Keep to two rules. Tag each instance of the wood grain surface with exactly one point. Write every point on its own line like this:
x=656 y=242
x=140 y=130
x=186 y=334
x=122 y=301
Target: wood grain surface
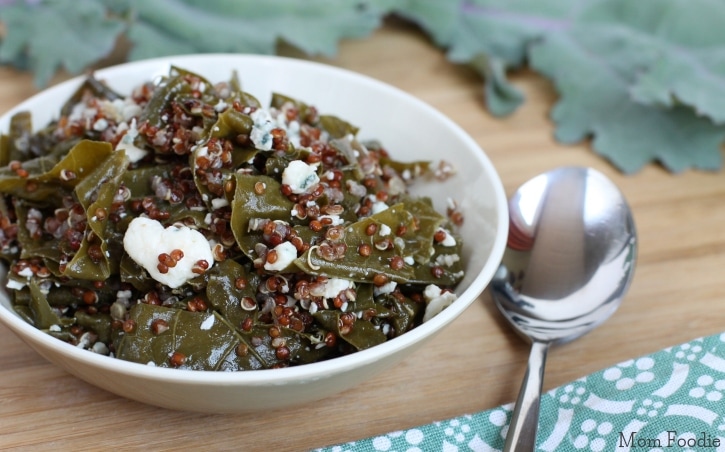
x=474 y=364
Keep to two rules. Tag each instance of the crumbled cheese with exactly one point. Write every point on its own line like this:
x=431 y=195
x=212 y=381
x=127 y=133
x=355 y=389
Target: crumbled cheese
x=100 y=125
x=84 y=341
x=207 y=323
x=131 y=111
x=300 y=176
x=267 y=119
x=436 y=301
x=377 y=206
x=384 y=230
x=447 y=259
x=120 y=110
x=409 y=260
x=335 y=219
x=293 y=133
x=100 y=348
x=218 y=203
x=161 y=137
x=449 y=240
x=202 y=151
x=386 y=288
x=286 y=253
x=54 y=328
x=263 y=125
x=126 y=143
x=81 y=111
x=44 y=287
x=15 y=284
x=220 y=106
x=27 y=272
x=145 y=239
x=334 y=286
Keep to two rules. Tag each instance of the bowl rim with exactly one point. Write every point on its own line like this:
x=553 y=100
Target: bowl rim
x=312 y=371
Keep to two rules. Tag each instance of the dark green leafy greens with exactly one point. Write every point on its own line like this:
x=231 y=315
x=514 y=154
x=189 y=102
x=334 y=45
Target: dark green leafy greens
x=316 y=248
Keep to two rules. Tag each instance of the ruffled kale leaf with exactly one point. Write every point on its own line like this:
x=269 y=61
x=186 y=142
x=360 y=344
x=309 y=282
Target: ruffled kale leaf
x=492 y=35
x=644 y=80
x=82 y=33
x=167 y=27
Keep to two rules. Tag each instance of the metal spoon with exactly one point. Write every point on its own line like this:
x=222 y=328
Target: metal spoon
x=569 y=260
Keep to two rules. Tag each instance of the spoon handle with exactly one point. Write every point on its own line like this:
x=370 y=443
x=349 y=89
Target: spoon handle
x=525 y=420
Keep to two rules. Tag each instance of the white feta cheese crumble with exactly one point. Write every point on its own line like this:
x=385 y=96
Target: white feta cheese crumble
x=385 y=230
x=300 y=176
x=286 y=253
x=378 y=206
x=447 y=259
x=14 y=284
x=220 y=106
x=100 y=348
x=202 y=151
x=27 y=272
x=84 y=341
x=436 y=301
x=54 y=328
x=218 y=203
x=120 y=109
x=145 y=239
x=207 y=323
x=81 y=112
x=334 y=286
x=336 y=220
x=126 y=143
x=100 y=125
x=449 y=240
x=386 y=288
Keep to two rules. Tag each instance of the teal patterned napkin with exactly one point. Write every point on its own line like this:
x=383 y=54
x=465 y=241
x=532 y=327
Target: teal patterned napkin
x=672 y=400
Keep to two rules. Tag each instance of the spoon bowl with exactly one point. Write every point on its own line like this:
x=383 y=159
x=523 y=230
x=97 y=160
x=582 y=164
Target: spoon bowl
x=569 y=261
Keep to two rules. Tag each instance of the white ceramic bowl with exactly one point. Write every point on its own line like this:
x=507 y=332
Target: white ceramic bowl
x=410 y=130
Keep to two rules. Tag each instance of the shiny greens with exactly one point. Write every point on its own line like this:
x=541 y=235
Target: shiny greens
x=301 y=273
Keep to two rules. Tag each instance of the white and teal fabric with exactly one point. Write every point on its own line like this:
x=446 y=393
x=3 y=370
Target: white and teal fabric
x=672 y=400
